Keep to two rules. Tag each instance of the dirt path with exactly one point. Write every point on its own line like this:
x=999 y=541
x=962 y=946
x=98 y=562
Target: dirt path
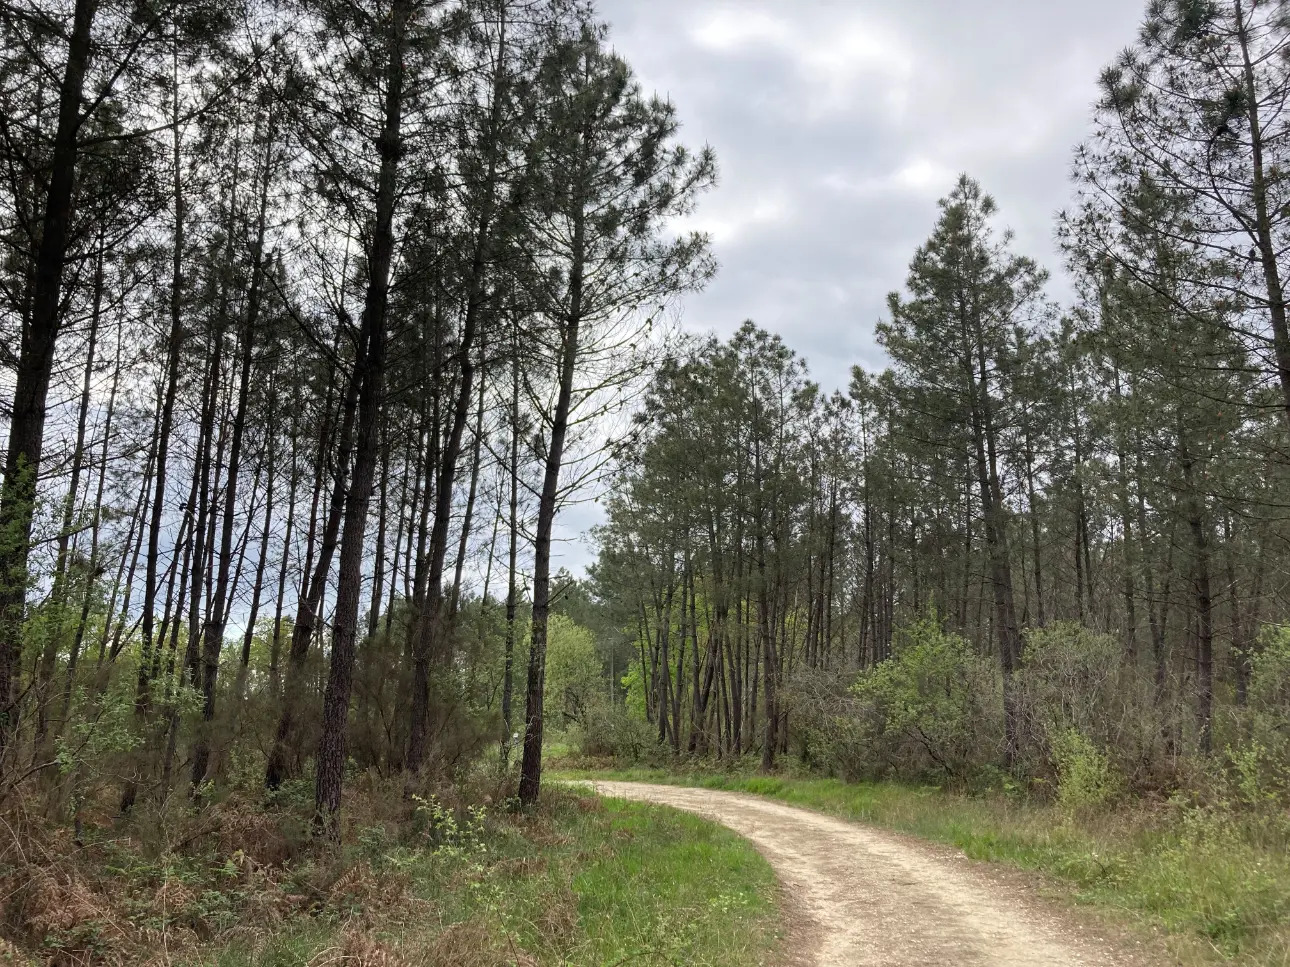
x=874 y=898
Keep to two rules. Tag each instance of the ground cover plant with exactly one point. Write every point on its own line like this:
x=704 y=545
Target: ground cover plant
x=432 y=880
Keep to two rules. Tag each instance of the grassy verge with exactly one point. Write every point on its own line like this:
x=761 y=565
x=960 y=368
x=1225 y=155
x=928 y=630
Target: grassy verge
x=1217 y=885
x=577 y=882
x=618 y=884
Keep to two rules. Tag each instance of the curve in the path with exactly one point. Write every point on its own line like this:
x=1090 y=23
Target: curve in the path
x=872 y=898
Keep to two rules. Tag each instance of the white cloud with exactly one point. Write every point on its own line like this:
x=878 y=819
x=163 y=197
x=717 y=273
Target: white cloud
x=730 y=30
x=919 y=177
x=729 y=222
x=836 y=60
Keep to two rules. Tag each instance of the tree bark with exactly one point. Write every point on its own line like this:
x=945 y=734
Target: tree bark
x=331 y=746
x=35 y=368
x=531 y=767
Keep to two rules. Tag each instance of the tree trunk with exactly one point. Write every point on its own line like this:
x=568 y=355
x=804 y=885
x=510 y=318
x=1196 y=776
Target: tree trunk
x=430 y=637
x=1196 y=521
x=512 y=588
x=58 y=595
x=1268 y=249
x=35 y=368
x=1005 y=614
x=531 y=767
x=331 y=747
x=284 y=754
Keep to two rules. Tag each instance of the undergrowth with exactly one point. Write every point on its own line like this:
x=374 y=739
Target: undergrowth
x=458 y=877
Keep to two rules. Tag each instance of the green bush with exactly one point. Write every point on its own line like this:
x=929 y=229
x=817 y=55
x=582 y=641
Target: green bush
x=1086 y=779
x=932 y=710
x=1074 y=680
x=573 y=679
x=828 y=729
x=1260 y=757
x=612 y=731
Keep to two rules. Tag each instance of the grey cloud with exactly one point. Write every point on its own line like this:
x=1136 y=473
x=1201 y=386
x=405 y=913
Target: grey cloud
x=839 y=123
x=831 y=167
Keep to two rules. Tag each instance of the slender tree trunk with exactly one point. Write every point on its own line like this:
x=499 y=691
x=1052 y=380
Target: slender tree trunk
x=35 y=368
x=1268 y=246
x=1037 y=564
x=284 y=754
x=165 y=428
x=454 y=600
x=257 y=587
x=1005 y=615
x=94 y=566
x=1202 y=586
x=58 y=594
x=217 y=613
x=331 y=747
x=430 y=642
x=531 y=767
x=512 y=588
x=382 y=521
x=275 y=642
x=114 y=624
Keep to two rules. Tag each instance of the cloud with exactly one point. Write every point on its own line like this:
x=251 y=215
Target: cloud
x=839 y=123
x=737 y=221
x=833 y=61
x=916 y=176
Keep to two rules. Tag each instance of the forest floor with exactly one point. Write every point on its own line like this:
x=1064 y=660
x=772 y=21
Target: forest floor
x=1198 y=885
x=578 y=881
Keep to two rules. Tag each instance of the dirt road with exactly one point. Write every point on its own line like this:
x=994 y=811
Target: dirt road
x=860 y=896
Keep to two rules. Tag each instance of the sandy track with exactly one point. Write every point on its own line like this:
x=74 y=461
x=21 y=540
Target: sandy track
x=867 y=897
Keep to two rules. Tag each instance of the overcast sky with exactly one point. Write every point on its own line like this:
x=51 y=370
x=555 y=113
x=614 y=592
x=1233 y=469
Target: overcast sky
x=839 y=123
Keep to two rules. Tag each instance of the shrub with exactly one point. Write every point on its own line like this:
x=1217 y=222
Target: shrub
x=1074 y=680
x=1086 y=779
x=933 y=709
x=573 y=679
x=826 y=717
x=1260 y=758
x=616 y=732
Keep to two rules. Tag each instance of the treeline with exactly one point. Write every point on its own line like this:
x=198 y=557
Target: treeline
x=1041 y=480
x=309 y=312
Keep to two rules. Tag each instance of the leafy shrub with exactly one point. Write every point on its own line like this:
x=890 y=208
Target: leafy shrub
x=1270 y=675
x=616 y=732
x=931 y=710
x=1086 y=779
x=573 y=679
x=1260 y=757
x=827 y=723
x=446 y=833
x=633 y=683
x=1074 y=680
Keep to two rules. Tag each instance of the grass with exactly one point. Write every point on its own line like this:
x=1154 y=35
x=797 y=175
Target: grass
x=459 y=878
x=1214 y=882
x=580 y=883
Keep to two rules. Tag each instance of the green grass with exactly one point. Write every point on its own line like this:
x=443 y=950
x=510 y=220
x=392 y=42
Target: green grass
x=580 y=883
x=1215 y=883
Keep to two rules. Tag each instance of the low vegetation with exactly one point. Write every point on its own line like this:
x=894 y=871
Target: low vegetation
x=1098 y=795
x=431 y=880
x=1215 y=881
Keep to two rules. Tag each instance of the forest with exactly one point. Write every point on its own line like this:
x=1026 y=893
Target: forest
x=295 y=300
x=1069 y=515
x=316 y=314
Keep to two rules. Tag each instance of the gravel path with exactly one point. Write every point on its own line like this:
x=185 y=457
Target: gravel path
x=860 y=896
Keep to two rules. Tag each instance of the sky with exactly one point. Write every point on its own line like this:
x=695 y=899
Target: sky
x=838 y=124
